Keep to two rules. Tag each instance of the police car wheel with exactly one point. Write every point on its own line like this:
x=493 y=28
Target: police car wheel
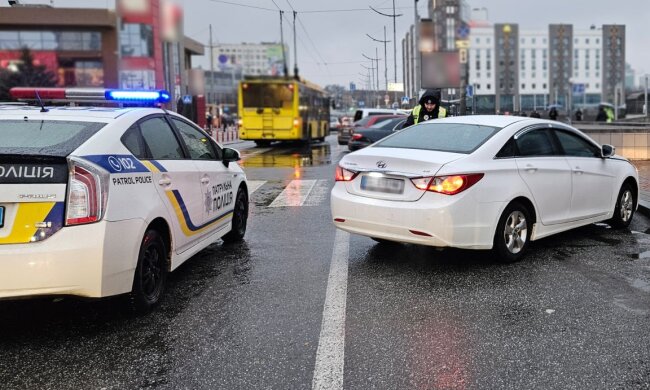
x=239 y=217
x=150 y=273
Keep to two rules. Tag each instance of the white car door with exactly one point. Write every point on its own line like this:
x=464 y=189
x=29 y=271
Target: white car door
x=591 y=178
x=217 y=184
x=176 y=179
x=546 y=173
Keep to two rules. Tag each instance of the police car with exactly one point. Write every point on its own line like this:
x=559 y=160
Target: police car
x=99 y=201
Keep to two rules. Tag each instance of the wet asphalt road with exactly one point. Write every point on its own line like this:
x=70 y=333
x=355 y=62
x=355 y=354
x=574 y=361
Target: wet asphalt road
x=575 y=314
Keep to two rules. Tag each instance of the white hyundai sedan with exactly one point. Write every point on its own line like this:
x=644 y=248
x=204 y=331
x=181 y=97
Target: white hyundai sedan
x=482 y=182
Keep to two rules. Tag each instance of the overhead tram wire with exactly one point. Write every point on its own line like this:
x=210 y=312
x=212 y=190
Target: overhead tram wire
x=243 y=5
x=308 y=36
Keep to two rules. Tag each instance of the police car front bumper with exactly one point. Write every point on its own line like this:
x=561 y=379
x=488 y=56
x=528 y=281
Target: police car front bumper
x=93 y=260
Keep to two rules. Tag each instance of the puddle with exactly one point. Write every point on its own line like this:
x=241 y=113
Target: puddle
x=291 y=156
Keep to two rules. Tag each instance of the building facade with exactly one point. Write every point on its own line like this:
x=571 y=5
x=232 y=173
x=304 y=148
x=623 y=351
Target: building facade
x=130 y=47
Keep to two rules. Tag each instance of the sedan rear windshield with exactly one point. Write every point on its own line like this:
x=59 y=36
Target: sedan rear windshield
x=444 y=137
x=44 y=137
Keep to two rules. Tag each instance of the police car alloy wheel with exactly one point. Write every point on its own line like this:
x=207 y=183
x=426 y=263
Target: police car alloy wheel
x=150 y=274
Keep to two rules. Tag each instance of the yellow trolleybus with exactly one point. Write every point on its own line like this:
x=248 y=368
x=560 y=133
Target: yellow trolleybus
x=282 y=109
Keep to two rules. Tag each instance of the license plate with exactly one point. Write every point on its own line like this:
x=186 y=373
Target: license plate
x=382 y=184
x=2 y=216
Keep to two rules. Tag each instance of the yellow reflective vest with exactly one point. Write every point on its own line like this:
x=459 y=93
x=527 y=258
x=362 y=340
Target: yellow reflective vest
x=442 y=113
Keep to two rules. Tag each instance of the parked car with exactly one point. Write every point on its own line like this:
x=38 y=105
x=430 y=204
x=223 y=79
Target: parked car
x=101 y=201
x=363 y=137
x=364 y=112
x=482 y=182
x=345 y=132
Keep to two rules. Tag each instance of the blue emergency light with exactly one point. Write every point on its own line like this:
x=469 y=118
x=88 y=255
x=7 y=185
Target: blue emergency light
x=161 y=96
x=91 y=95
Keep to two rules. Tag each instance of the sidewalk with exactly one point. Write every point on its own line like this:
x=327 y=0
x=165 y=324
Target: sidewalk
x=644 y=185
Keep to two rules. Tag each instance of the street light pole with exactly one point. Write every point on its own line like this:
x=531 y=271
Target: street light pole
x=647 y=109
x=385 y=54
x=394 y=16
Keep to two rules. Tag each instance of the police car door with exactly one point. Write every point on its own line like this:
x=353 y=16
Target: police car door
x=217 y=182
x=176 y=179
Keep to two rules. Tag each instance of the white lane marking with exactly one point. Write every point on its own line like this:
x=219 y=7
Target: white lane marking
x=328 y=371
x=294 y=194
x=319 y=194
x=254 y=185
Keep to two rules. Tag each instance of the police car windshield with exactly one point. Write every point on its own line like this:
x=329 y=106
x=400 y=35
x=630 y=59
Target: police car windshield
x=44 y=138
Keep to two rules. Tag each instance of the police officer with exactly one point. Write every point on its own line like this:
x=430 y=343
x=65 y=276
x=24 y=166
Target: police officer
x=429 y=108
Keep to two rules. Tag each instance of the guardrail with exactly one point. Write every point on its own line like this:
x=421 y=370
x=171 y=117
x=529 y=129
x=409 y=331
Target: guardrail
x=229 y=135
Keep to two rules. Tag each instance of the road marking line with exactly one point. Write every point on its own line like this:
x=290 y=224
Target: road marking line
x=294 y=194
x=319 y=194
x=328 y=370
x=254 y=185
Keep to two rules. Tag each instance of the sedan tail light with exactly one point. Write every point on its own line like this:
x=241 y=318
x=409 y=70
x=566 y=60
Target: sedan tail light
x=87 y=193
x=343 y=174
x=448 y=185
x=356 y=136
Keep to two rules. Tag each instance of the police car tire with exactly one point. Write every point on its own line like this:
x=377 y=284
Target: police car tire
x=150 y=273
x=239 y=217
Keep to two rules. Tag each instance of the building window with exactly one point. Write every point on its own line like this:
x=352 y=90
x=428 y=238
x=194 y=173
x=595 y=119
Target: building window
x=597 y=85
x=544 y=85
x=136 y=40
x=51 y=40
x=587 y=40
x=489 y=86
x=533 y=86
x=523 y=86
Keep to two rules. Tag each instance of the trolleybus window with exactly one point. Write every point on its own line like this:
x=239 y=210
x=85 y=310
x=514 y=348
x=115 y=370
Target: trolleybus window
x=268 y=95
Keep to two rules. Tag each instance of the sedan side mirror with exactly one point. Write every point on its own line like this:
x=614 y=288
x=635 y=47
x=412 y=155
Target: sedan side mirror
x=230 y=155
x=607 y=151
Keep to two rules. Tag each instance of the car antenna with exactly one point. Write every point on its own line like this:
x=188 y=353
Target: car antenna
x=43 y=109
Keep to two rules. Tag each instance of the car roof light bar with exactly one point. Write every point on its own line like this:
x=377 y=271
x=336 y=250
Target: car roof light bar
x=98 y=95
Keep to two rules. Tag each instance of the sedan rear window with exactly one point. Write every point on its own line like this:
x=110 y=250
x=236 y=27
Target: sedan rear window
x=444 y=137
x=44 y=138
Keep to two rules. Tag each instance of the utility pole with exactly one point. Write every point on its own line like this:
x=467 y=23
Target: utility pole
x=284 y=56
x=385 y=54
x=394 y=16
x=374 y=59
x=647 y=109
x=211 y=68
x=295 y=49
x=416 y=48
x=371 y=74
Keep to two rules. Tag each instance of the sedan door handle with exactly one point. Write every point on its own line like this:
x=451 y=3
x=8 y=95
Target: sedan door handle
x=530 y=168
x=578 y=170
x=165 y=182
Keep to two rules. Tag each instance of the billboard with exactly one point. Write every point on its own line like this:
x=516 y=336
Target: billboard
x=440 y=70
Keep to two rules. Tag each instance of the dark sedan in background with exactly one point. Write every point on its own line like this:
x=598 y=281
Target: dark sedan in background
x=345 y=132
x=363 y=137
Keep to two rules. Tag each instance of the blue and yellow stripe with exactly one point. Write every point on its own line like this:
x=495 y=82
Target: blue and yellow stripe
x=23 y=227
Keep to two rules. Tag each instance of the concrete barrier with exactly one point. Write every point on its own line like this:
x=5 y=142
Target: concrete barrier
x=631 y=140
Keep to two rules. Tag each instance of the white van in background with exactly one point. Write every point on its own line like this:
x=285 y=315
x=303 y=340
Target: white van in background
x=364 y=112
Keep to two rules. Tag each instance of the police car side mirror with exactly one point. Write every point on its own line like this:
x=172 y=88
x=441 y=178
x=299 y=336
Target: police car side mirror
x=230 y=155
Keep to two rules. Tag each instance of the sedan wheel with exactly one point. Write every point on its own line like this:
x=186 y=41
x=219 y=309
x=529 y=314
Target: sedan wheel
x=511 y=238
x=624 y=209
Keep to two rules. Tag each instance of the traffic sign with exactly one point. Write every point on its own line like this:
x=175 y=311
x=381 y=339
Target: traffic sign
x=405 y=100
x=187 y=99
x=361 y=103
x=462 y=43
x=463 y=31
x=462 y=56
x=469 y=90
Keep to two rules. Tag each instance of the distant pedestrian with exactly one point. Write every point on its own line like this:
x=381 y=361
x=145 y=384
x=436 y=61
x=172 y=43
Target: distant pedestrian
x=602 y=116
x=579 y=115
x=552 y=114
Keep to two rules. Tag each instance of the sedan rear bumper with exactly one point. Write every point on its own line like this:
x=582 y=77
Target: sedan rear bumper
x=434 y=220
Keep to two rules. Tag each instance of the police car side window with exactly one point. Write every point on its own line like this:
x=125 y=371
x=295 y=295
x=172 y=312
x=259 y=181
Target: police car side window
x=160 y=139
x=133 y=141
x=198 y=144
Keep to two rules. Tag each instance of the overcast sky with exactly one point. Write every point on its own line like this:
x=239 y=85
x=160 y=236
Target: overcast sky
x=331 y=44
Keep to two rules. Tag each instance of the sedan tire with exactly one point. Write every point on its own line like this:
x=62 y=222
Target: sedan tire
x=513 y=233
x=624 y=209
